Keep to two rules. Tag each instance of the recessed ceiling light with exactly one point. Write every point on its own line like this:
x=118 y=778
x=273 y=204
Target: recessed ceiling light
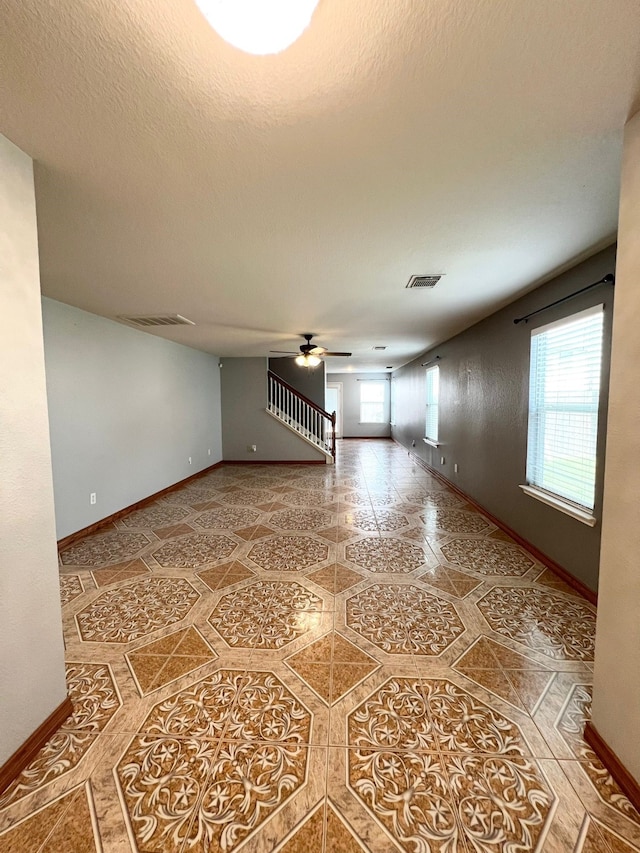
x=259 y=26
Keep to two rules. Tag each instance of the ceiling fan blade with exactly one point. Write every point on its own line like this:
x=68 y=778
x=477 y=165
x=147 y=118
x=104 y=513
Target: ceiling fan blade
x=283 y=351
x=334 y=354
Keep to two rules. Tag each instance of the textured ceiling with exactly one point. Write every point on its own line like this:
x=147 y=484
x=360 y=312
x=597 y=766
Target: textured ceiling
x=263 y=197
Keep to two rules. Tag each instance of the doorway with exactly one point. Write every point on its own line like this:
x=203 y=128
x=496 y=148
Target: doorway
x=333 y=403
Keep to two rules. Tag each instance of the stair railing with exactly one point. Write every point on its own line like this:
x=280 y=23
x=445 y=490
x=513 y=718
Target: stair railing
x=301 y=414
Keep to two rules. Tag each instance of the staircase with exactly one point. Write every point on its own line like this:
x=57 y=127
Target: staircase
x=301 y=415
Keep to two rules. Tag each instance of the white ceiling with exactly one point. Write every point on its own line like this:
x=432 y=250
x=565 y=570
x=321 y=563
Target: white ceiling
x=264 y=197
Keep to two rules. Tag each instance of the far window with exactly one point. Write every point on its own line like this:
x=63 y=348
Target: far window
x=372 y=400
x=564 y=396
x=433 y=393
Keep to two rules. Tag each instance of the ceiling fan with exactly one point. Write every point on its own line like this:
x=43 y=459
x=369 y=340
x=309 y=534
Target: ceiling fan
x=310 y=355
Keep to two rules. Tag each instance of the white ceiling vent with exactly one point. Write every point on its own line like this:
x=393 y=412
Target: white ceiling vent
x=424 y=280
x=158 y=320
x=379 y=348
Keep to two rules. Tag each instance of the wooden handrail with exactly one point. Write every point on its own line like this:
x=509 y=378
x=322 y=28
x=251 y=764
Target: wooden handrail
x=295 y=391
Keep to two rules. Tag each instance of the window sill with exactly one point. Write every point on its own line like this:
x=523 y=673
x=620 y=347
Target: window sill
x=431 y=442
x=582 y=515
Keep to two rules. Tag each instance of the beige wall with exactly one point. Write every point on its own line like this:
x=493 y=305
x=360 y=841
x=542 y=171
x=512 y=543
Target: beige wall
x=32 y=682
x=616 y=705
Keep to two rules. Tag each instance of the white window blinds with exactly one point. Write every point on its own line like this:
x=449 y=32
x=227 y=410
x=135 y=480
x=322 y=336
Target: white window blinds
x=372 y=400
x=433 y=393
x=564 y=395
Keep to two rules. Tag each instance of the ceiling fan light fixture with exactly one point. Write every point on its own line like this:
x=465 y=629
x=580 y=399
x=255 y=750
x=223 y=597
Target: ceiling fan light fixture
x=307 y=360
x=260 y=27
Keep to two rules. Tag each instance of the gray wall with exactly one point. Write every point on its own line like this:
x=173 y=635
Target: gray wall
x=351 y=426
x=245 y=421
x=484 y=378
x=32 y=677
x=127 y=410
x=309 y=382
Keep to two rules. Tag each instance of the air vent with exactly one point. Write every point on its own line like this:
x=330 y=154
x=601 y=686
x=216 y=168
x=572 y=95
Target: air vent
x=424 y=280
x=159 y=320
x=379 y=348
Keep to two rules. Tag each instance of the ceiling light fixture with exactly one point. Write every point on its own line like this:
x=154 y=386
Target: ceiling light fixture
x=259 y=26
x=307 y=360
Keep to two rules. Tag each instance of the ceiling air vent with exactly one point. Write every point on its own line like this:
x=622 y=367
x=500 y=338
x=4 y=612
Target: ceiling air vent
x=158 y=320
x=379 y=348
x=424 y=280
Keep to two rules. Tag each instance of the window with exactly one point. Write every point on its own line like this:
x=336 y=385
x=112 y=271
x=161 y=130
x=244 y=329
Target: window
x=372 y=400
x=564 y=395
x=433 y=393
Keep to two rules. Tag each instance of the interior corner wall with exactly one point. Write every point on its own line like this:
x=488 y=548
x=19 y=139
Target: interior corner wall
x=484 y=386
x=127 y=409
x=32 y=675
x=616 y=684
x=351 y=426
x=307 y=381
x=245 y=421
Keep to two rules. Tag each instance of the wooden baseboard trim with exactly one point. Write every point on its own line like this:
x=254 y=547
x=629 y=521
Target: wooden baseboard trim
x=556 y=568
x=16 y=763
x=275 y=462
x=607 y=756
x=105 y=522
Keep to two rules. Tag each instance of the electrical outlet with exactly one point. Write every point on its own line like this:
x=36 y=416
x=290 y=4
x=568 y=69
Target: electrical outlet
x=209 y=452
x=455 y=468
x=442 y=460
x=252 y=448
x=189 y=460
x=92 y=498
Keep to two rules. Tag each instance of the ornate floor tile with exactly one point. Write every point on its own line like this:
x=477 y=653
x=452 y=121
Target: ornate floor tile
x=381 y=519
x=301 y=519
x=322 y=829
x=487 y=557
x=169 y=658
x=385 y=555
x=135 y=610
x=570 y=724
x=114 y=546
x=335 y=534
x=70 y=588
x=256 y=531
x=503 y=802
x=455 y=583
x=157 y=515
x=249 y=497
x=441 y=498
x=227 y=518
x=551 y=579
x=193 y=551
x=172 y=531
x=225 y=575
x=558 y=627
x=335 y=578
x=288 y=553
x=307 y=497
x=332 y=666
x=182 y=785
x=116 y=574
x=598 y=838
x=404 y=619
x=66 y=823
x=95 y=700
x=519 y=680
x=264 y=615
x=456 y=521
x=393 y=717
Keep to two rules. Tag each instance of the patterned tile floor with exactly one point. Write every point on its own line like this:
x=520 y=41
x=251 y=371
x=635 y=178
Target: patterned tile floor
x=301 y=658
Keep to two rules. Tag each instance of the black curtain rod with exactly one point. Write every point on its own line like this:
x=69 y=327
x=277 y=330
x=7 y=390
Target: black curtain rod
x=608 y=279
x=425 y=363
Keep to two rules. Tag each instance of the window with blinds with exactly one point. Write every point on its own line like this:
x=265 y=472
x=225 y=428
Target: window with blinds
x=372 y=400
x=564 y=396
x=433 y=394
